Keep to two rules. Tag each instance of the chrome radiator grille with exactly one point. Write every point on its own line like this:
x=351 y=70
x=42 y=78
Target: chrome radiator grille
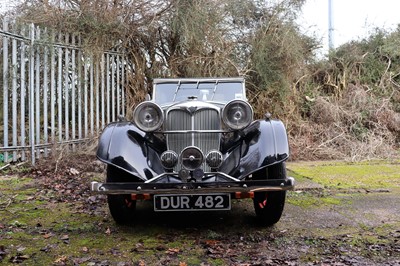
x=204 y=119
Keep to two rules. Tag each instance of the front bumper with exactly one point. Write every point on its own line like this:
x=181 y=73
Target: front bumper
x=193 y=188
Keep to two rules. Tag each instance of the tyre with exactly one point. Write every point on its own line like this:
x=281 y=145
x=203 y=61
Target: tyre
x=269 y=205
x=122 y=207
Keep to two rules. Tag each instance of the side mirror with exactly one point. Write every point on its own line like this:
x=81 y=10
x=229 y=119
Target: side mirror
x=148 y=98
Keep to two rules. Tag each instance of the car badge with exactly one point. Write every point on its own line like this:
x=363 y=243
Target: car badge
x=192 y=109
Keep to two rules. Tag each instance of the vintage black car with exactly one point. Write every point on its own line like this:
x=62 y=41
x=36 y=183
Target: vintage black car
x=194 y=147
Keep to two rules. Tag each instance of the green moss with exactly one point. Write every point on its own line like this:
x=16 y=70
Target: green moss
x=301 y=200
x=217 y=262
x=308 y=257
x=299 y=178
x=213 y=235
x=331 y=201
x=15 y=183
x=151 y=242
x=308 y=199
x=190 y=260
x=345 y=175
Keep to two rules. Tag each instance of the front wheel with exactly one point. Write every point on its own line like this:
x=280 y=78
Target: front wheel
x=269 y=205
x=122 y=207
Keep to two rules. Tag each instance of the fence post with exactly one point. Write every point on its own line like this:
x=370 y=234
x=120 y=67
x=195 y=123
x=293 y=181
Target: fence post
x=23 y=94
x=108 y=101
x=5 y=89
x=53 y=88
x=66 y=88
x=123 y=86
x=102 y=91
x=73 y=90
x=32 y=94
x=14 y=95
x=59 y=89
x=45 y=89
x=36 y=77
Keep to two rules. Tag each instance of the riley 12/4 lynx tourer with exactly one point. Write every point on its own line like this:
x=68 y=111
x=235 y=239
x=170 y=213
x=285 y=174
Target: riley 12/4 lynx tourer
x=194 y=146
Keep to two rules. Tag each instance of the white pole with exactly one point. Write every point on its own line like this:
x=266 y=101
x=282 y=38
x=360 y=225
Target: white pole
x=5 y=88
x=32 y=94
x=331 y=27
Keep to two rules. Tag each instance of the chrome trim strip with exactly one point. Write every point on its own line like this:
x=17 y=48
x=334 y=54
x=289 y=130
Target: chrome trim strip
x=193 y=188
x=192 y=127
x=206 y=174
x=191 y=131
x=190 y=80
x=227 y=176
x=154 y=179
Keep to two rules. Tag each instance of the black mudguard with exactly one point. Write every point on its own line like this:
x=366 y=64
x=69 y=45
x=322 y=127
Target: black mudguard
x=265 y=143
x=125 y=146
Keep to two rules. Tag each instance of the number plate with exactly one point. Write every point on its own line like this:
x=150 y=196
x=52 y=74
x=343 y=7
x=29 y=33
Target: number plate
x=187 y=202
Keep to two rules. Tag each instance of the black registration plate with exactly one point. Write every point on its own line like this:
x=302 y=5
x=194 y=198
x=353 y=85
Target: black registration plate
x=187 y=202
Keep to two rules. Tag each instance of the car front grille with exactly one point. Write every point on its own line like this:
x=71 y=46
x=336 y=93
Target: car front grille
x=203 y=119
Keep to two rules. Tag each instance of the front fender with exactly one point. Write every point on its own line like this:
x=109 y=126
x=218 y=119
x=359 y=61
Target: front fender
x=265 y=145
x=125 y=146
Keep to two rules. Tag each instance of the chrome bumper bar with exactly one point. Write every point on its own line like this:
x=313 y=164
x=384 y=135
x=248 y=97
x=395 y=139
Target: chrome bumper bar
x=193 y=188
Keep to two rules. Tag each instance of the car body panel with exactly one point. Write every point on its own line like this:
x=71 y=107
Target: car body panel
x=123 y=145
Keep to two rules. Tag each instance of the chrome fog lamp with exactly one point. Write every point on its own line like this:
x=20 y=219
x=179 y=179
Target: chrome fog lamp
x=169 y=159
x=237 y=114
x=214 y=159
x=148 y=116
x=191 y=158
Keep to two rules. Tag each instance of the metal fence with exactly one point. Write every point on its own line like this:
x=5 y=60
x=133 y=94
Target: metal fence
x=53 y=91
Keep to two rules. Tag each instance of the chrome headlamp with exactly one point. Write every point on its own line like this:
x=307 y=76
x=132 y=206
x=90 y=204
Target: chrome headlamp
x=237 y=114
x=169 y=159
x=148 y=116
x=191 y=158
x=214 y=159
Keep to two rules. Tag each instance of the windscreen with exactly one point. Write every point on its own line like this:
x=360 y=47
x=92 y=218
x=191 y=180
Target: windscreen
x=167 y=93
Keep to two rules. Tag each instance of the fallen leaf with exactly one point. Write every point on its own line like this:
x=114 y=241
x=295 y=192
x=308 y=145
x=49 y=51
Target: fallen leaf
x=92 y=199
x=61 y=260
x=47 y=236
x=72 y=171
x=172 y=251
x=65 y=237
x=212 y=242
x=20 y=249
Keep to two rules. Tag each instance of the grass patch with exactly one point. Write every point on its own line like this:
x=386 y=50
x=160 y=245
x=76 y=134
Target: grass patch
x=297 y=176
x=309 y=199
x=344 y=175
